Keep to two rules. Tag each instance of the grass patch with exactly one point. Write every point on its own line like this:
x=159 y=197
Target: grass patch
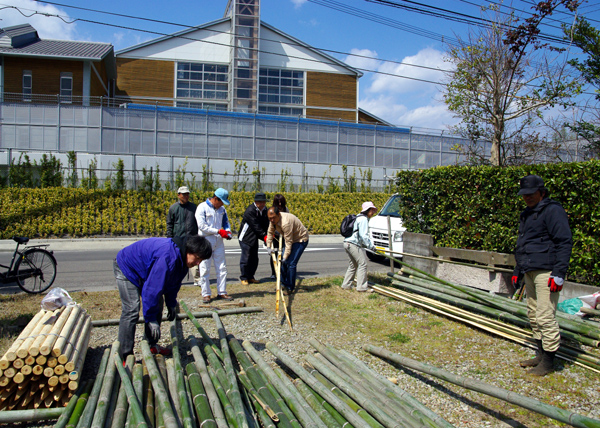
x=398 y=337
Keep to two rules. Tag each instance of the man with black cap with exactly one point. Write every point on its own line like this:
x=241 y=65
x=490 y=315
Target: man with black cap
x=542 y=255
x=253 y=229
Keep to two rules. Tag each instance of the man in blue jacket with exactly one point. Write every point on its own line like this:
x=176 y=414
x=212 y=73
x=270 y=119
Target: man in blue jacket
x=151 y=270
x=542 y=254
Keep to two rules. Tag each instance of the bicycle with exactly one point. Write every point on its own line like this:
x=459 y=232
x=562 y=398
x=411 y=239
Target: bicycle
x=34 y=267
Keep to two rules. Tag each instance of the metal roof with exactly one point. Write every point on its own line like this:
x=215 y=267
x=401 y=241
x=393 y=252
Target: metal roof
x=61 y=49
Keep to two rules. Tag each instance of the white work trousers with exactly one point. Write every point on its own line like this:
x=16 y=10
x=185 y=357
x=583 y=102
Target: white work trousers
x=218 y=257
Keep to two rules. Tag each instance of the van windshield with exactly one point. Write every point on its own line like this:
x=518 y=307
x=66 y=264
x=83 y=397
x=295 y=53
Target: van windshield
x=392 y=207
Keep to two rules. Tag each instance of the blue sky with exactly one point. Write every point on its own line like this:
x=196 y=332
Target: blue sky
x=399 y=100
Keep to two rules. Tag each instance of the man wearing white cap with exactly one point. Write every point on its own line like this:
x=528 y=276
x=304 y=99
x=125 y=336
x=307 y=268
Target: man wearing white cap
x=213 y=224
x=181 y=221
x=355 y=246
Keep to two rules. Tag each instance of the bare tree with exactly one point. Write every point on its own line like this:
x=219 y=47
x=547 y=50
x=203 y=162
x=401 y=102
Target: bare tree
x=502 y=81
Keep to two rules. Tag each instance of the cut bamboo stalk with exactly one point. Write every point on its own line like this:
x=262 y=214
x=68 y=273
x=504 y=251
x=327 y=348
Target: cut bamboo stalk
x=85 y=419
x=65 y=331
x=532 y=404
x=26 y=370
x=32 y=345
x=172 y=388
x=38 y=370
x=41 y=360
x=107 y=388
x=143 y=392
x=10 y=372
x=17 y=416
x=183 y=399
x=205 y=314
x=122 y=407
x=72 y=405
x=7 y=392
x=11 y=354
x=63 y=379
x=213 y=398
x=136 y=406
x=19 y=378
x=18 y=363
x=52 y=337
x=159 y=388
x=77 y=330
x=200 y=398
x=30 y=360
x=202 y=332
x=52 y=362
x=53 y=381
x=59 y=370
x=4 y=380
x=80 y=348
x=48 y=372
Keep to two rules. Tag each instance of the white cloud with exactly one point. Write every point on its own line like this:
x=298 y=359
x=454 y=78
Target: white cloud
x=358 y=60
x=48 y=27
x=389 y=82
x=298 y=3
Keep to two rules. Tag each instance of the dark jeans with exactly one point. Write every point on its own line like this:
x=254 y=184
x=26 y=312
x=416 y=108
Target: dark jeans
x=248 y=260
x=288 y=274
x=130 y=311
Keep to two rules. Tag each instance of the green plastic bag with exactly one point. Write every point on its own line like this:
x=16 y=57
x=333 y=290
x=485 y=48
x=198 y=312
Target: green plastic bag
x=570 y=306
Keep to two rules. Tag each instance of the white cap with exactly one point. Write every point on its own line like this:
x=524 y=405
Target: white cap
x=183 y=189
x=366 y=206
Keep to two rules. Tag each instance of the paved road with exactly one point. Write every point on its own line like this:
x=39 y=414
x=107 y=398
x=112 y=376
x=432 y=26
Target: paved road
x=87 y=264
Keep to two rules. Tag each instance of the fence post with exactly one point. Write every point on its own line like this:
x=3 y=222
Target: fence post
x=57 y=124
x=134 y=168
x=172 y=172
x=156 y=128
x=304 y=183
x=9 y=163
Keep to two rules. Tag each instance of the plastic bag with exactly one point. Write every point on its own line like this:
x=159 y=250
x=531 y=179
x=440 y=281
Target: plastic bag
x=570 y=306
x=56 y=298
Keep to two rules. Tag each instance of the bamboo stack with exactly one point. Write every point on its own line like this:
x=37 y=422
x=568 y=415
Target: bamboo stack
x=41 y=368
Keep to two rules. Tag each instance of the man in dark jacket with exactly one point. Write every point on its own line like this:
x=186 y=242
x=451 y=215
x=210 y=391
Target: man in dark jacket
x=181 y=221
x=542 y=255
x=252 y=230
x=151 y=270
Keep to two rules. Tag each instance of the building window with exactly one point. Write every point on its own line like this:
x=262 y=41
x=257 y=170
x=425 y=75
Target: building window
x=66 y=87
x=280 y=111
x=205 y=106
x=277 y=86
x=196 y=81
x=27 y=85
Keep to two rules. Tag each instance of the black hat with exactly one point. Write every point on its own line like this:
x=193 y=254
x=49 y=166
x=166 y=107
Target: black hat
x=531 y=184
x=260 y=197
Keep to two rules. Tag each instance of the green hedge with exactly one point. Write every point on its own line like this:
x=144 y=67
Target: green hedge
x=478 y=207
x=61 y=212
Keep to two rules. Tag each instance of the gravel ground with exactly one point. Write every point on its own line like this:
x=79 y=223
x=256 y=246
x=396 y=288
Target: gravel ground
x=459 y=406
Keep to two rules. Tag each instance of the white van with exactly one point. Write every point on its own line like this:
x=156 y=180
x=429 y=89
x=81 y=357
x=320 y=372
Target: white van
x=378 y=228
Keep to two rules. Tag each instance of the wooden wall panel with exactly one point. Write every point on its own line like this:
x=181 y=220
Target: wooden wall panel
x=330 y=90
x=145 y=78
x=347 y=116
x=45 y=75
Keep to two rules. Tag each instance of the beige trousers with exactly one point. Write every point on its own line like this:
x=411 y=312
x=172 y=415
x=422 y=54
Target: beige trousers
x=195 y=274
x=541 y=309
x=357 y=267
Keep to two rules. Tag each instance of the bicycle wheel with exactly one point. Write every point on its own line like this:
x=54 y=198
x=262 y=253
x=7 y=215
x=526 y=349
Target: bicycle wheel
x=36 y=270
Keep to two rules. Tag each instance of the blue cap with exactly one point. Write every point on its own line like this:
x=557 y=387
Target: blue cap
x=223 y=195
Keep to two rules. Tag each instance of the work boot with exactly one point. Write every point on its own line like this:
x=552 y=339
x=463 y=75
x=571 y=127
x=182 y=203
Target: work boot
x=545 y=366
x=535 y=360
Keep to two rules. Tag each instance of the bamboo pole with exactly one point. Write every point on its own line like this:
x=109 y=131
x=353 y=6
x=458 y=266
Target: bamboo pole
x=51 y=338
x=303 y=374
x=205 y=314
x=184 y=404
x=88 y=413
x=65 y=332
x=79 y=406
x=143 y=390
x=160 y=391
x=319 y=406
x=137 y=413
x=162 y=367
x=529 y=403
x=105 y=394
x=75 y=365
x=122 y=406
x=66 y=415
x=227 y=407
x=47 y=320
x=234 y=391
x=211 y=393
x=11 y=354
x=199 y=397
x=65 y=355
x=16 y=416
x=172 y=389
x=202 y=332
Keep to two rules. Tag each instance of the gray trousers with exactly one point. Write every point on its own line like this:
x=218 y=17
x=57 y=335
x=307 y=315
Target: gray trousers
x=357 y=267
x=130 y=311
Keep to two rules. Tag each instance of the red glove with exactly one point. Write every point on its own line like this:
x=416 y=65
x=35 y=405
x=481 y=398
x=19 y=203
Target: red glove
x=223 y=233
x=229 y=235
x=515 y=280
x=553 y=284
x=265 y=239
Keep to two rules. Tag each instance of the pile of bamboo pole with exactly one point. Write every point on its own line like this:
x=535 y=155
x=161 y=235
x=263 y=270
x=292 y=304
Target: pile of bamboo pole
x=492 y=313
x=42 y=367
x=229 y=384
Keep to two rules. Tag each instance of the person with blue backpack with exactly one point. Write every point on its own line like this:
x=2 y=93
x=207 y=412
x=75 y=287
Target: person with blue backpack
x=356 y=246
